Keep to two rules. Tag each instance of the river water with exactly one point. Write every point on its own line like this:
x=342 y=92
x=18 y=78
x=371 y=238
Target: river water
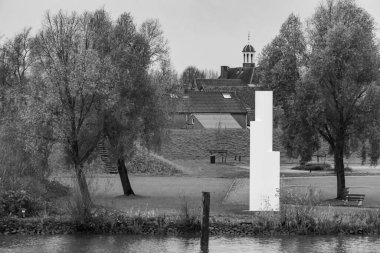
x=145 y=244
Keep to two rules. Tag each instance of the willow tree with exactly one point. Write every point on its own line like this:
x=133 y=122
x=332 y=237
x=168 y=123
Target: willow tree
x=335 y=95
x=71 y=88
x=137 y=117
x=123 y=124
x=343 y=68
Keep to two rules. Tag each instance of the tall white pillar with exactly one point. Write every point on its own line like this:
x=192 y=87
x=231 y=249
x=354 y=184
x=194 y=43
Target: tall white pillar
x=264 y=176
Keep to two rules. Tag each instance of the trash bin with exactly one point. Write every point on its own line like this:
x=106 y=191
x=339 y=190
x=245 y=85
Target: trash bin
x=212 y=158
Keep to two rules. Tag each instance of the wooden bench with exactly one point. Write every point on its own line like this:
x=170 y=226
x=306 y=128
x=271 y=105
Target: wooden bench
x=353 y=197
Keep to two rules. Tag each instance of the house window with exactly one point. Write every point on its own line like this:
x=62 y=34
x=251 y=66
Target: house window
x=192 y=121
x=226 y=95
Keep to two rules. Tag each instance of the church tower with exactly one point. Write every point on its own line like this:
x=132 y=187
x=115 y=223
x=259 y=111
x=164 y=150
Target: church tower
x=249 y=55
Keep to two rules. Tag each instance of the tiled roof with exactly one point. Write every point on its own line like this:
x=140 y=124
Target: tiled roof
x=235 y=77
x=207 y=83
x=244 y=74
x=216 y=120
x=210 y=102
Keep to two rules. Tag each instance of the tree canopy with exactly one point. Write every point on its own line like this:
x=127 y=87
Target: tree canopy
x=334 y=94
x=83 y=78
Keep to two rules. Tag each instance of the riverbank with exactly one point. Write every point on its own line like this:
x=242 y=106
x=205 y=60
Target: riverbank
x=217 y=244
x=170 y=205
x=291 y=220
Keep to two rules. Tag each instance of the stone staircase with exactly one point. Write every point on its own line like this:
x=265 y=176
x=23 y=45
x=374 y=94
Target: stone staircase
x=104 y=156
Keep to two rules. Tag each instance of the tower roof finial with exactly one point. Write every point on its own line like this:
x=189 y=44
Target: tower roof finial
x=248 y=48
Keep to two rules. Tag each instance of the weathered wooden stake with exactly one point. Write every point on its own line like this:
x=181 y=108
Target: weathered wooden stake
x=205 y=220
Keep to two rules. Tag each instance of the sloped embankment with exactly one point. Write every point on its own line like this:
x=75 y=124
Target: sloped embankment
x=148 y=163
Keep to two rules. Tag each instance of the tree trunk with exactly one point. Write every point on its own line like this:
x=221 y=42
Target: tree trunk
x=339 y=168
x=83 y=187
x=123 y=173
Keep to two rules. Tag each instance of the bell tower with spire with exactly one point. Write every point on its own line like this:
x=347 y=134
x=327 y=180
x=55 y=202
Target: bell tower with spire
x=248 y=54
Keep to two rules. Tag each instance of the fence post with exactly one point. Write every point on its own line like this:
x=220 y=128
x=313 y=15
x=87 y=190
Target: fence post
x=205 y=220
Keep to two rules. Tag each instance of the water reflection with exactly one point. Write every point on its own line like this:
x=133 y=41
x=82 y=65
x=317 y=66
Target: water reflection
x=123 y=243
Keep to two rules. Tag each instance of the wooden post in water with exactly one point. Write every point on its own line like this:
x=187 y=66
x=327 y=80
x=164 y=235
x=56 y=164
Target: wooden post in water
x=205 y=220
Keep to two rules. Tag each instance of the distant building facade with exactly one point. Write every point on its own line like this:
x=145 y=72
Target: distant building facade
x=233 y=78
x=210 y=110
x=225 y=102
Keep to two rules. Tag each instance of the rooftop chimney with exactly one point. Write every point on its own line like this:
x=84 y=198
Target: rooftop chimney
x=224 y=72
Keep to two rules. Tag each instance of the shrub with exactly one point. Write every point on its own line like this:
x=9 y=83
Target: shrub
x=29 y=184
x=145 y=163
x=309 y=197
x=313 y=167
x=79 y=211
x=55 y=189
x=36 y=187
x=12 y=203
x=349 y=169
x=186 y=219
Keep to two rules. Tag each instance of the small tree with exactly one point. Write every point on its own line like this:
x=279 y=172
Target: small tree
x=190 y=74
x=154 y=36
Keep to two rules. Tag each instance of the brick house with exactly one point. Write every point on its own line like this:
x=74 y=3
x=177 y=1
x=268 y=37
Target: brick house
x=200 y=110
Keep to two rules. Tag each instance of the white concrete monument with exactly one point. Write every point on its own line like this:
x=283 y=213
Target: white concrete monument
x=264 y=176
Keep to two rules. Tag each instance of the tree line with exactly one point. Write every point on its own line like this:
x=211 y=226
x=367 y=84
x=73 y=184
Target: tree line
x=84 y=77
x=81 y=78
x=325 y=78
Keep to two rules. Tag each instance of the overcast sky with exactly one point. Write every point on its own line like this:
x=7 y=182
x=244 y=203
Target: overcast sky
x=204 y=33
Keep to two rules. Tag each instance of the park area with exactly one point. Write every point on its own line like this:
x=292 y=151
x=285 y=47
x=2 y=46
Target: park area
x=228 y=184
x=99 y=133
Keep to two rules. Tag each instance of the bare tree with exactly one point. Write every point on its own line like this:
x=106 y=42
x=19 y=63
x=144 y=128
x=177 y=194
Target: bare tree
x=154 y=35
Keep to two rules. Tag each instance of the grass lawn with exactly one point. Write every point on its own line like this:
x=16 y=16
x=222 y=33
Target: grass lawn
x=236 y=169
x=167 y=195
x=368 y=185
x=156 y=194
x=228 y=184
